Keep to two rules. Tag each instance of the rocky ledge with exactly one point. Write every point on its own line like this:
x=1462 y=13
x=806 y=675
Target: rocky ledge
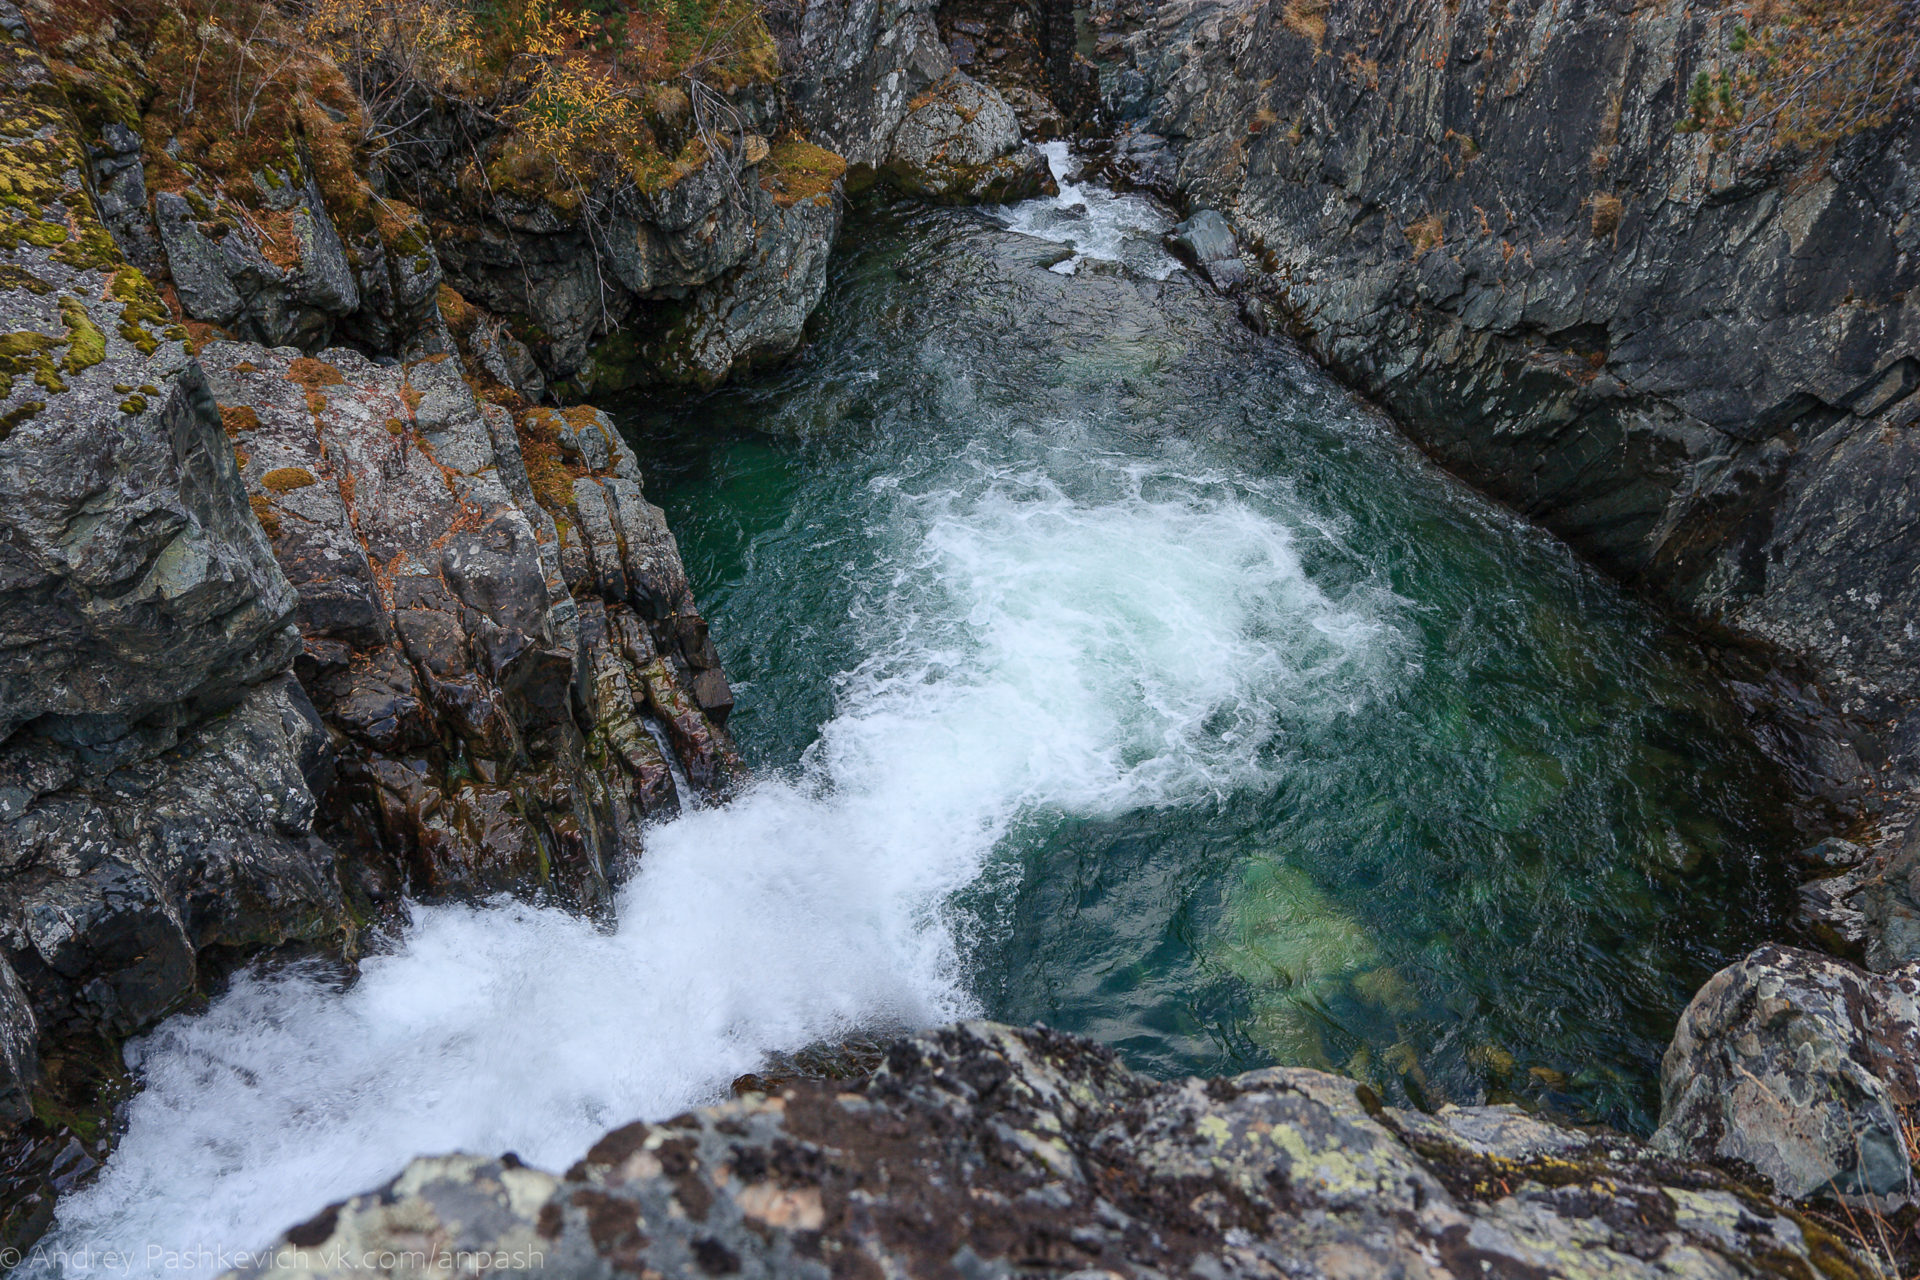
x=980 y=1150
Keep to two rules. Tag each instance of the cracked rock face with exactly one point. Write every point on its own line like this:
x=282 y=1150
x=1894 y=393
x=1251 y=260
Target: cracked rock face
x=133 y=579
x=158 y=772
x=981 y=1150
x=1799 y=1067
x=876 y=82
x=1697 y=366
x=486 y=668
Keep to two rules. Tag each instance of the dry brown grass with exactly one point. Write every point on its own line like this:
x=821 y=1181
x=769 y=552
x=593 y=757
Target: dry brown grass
x=1306 y=18
x=1890 y=1246
x=1606 y=214
x=1426 y=235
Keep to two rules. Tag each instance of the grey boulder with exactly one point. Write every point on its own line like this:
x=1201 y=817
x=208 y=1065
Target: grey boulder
x=1797 y=1066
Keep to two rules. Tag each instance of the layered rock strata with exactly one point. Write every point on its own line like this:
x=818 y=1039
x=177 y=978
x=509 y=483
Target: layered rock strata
x=287 y=637
x=485 y=668
x=1693 y=356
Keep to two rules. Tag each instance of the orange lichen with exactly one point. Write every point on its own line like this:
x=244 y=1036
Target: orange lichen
x=284 y=479
x=264 y=512
x=237 y=418
x=314 y=374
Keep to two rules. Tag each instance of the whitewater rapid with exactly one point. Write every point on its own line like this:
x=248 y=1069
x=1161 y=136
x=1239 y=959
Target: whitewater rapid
x=1058 y=634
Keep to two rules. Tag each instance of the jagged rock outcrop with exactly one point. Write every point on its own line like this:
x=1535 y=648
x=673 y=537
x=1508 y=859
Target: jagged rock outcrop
x=158 y=772
x=493 y=623
x=876 y=82
x=270 y=219
x=490 y=724
x=1003 y=43
x=714 y=268
x=1697 y=365
x=1801 y=1068
x=756 y=313
x=1871 y=911
x=982 y=1150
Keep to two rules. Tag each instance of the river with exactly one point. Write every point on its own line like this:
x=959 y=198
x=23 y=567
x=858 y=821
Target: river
x=1100 y=663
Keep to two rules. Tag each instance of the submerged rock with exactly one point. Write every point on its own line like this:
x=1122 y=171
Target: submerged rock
x=1798 y=1067
x=982 y=1150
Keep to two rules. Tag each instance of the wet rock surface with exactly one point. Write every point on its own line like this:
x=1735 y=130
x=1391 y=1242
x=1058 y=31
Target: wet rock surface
x=1696 y=365
x=1801 y=1068
x=982 y=1150
x=489 y=723
x=158 y=771
x=287 y=637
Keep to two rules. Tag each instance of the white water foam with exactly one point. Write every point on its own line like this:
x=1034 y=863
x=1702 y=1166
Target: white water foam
x=1137 y=641
x=1093 y=222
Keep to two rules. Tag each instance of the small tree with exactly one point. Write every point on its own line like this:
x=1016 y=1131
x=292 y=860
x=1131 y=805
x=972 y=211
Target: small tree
x=1809 y=72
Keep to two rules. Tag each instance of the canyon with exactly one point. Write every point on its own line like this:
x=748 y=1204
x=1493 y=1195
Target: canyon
x=328 y=594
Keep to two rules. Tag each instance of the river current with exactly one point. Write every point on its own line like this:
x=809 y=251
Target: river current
x=1100 y=663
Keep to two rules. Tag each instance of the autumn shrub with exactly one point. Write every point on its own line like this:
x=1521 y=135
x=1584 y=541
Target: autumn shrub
x=1806 y=73
x=589 y=89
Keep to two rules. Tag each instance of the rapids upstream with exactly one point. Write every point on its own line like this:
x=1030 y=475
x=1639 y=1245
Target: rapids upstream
x=1100 y=663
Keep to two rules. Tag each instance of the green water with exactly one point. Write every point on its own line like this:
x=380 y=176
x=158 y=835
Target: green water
x=1279 y=745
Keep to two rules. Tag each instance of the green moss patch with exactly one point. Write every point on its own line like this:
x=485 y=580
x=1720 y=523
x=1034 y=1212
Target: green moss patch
x=796 y=170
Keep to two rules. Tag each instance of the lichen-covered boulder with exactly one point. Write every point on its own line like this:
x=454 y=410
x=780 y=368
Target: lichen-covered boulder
x=1799 y=1067
x=981 y=1150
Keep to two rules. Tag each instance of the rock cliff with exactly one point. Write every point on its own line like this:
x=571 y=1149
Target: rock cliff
x=289 y=635
x=1695 y=361
x=1696 y=364
x=979 y=1150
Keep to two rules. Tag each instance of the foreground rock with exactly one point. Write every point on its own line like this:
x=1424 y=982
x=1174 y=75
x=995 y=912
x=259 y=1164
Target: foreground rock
x=1697 y=365
x=1800 y=1068
x=982 y=1150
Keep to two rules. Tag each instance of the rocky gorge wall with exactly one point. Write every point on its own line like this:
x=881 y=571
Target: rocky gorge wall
x=315 y=601
x=1695 y=362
